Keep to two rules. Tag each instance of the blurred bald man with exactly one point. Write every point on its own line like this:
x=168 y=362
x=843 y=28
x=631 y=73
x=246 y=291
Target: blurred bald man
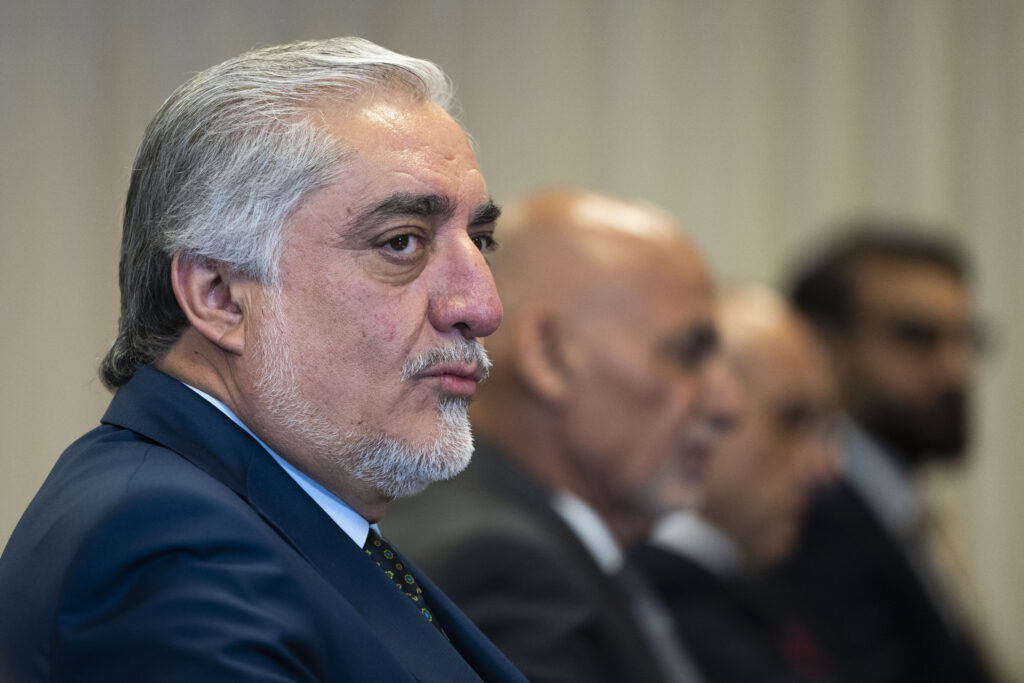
x=597 y=385
x=760 y=477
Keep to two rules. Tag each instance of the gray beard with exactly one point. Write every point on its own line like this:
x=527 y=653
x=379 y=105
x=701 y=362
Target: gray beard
x=397 y=469
x=394 y=467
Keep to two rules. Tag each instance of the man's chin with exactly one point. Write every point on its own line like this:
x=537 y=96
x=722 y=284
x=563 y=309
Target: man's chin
x=919 y=438
x=409 y=484
x=409 y=488
x=399 y=469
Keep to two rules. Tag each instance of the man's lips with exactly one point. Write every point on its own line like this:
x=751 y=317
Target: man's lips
x=456 y=378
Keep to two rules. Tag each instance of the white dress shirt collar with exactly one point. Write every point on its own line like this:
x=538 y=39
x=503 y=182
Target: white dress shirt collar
x=593 y=533
x=876 y=474
x=347 y=519
x=687 y=533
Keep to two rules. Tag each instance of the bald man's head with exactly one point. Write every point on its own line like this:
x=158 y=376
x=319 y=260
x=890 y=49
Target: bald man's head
x=599 y=363
x=556 y=238
x=762 y=472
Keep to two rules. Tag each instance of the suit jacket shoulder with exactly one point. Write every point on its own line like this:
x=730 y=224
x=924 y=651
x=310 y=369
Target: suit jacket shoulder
x=495 y=545
x=167 y=545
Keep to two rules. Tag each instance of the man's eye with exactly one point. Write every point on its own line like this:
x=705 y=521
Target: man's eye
x=919 y=335
x=484 y=242
x=796 y=417
x=697 y=348
x=403 y=245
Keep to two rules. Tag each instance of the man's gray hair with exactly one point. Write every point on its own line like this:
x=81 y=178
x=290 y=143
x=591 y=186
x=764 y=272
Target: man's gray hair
x=226 y=161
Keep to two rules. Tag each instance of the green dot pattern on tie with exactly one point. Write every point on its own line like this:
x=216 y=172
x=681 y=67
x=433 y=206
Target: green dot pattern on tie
x=386 y=558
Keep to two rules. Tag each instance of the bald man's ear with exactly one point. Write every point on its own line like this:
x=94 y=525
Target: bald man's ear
x=541 y=354
x=211 y=299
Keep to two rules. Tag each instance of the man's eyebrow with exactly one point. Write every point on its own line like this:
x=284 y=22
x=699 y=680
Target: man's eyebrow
x=696 y=344
x=485 y=213
x=403 y=204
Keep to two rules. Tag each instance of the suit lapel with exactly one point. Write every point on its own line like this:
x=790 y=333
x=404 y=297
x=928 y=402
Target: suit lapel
x=386 y=610
x=165 y=411
x=501 y=476
x=488 y=662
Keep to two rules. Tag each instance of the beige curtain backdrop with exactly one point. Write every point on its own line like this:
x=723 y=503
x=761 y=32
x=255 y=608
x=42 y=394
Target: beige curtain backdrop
x=758 y=122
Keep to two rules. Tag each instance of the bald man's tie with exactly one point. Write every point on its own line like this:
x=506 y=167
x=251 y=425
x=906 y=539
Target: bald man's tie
x=387 y=559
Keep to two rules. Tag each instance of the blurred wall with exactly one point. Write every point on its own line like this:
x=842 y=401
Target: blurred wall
x=757 y=122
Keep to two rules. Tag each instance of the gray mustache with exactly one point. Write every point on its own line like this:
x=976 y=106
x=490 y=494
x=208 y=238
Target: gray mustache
x=468 y=351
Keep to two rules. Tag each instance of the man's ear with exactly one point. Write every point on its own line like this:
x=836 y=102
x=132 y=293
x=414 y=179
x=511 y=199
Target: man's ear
x=212 y=299
x=542 y=354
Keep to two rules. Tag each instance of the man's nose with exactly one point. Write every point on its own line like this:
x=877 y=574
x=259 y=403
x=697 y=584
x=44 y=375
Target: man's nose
x=464 y=296
x=720 y=395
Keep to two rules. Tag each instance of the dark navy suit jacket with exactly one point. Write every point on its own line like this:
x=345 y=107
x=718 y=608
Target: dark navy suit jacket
x=167 y=545
x=859 y=594
x=736 y=633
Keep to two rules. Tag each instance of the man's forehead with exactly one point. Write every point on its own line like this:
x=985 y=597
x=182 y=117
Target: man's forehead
x=402 y=156
x=930 y=292
x=388 y=111
x=648 y=314
x=794 y=384
x=677 y=269
x=397 y=125
x=882 y=277
x=679 y=298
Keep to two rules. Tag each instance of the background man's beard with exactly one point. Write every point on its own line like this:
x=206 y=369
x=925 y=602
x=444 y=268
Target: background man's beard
x=939 y=434
x=394 y=467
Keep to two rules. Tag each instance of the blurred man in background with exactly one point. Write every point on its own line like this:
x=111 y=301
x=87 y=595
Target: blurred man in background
x=760 y=478
x=893 y=309
x=599 y=373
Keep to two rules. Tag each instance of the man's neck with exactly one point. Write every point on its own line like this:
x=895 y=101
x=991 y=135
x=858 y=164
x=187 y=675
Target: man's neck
x=690 y=535
x=881 y=479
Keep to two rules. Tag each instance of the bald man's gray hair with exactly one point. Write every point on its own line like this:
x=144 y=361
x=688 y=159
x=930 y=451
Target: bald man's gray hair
x=226 y=161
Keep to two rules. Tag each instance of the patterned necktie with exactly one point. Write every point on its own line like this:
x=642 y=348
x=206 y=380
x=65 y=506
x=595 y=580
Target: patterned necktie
x=387 y=559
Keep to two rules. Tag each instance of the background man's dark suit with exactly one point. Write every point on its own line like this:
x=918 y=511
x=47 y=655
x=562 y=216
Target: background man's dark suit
x=515 y=568
x=862 y=598
x=892 y=302
x=733 y=633
x=169 y=493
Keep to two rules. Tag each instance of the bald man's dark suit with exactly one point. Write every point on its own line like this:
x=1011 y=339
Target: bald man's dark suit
x=492 y=540
x=167 y=545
